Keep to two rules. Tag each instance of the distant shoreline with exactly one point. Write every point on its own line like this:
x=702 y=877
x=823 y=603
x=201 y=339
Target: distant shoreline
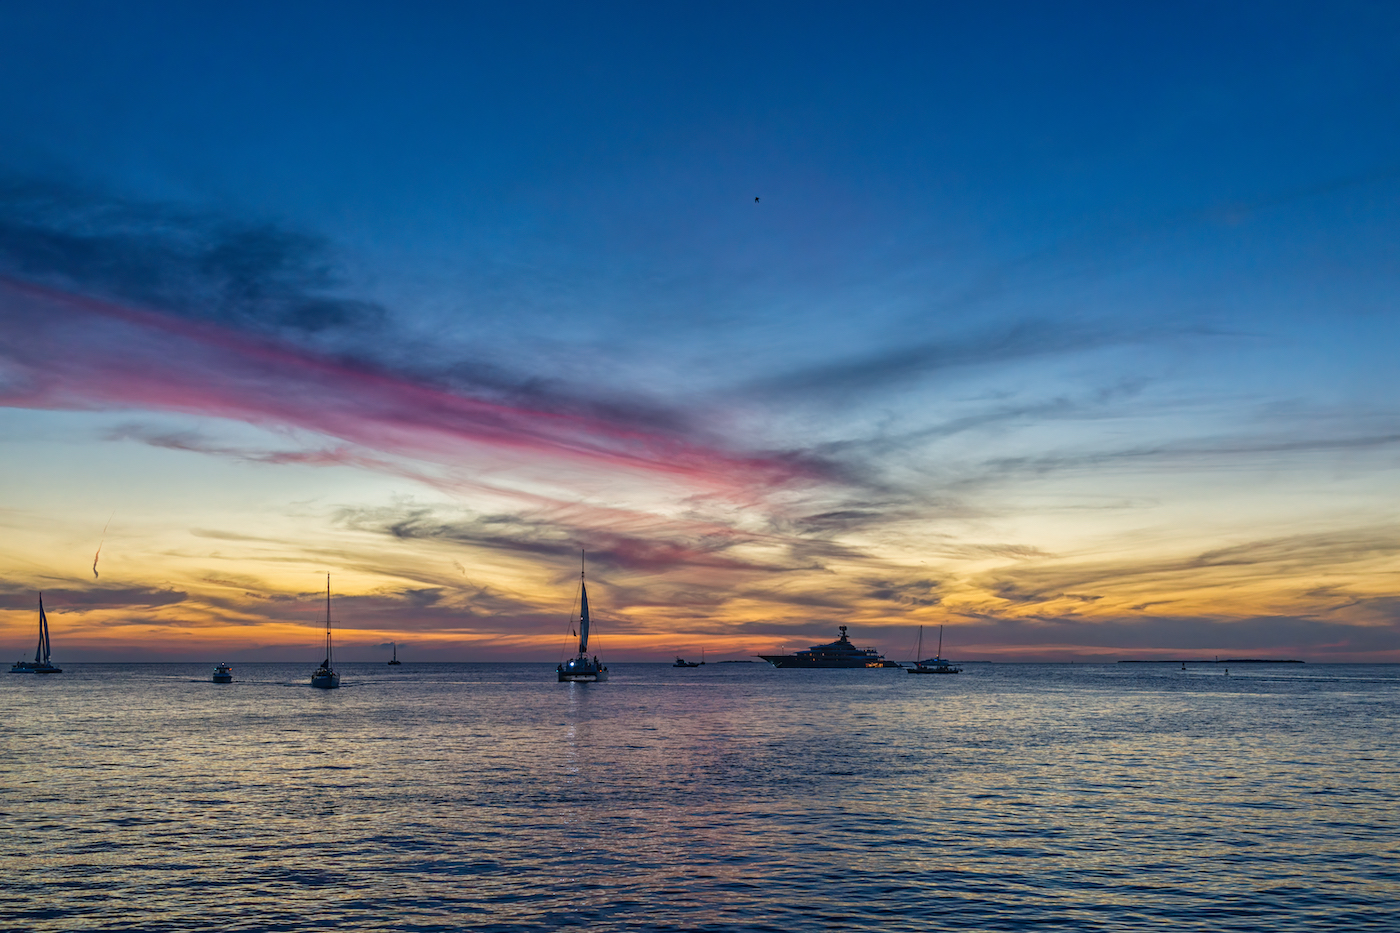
x=1221 y=661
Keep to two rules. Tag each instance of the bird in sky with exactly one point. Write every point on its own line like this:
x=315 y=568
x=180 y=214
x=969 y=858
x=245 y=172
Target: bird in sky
x=755 y=200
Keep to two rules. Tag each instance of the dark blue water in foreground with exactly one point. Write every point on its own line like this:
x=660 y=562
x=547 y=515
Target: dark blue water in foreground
x=728 y=797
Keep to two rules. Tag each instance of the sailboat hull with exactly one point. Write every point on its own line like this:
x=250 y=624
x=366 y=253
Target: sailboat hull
x=325 y=681
x=582 y=671
x=594 y=678
x=29 y=667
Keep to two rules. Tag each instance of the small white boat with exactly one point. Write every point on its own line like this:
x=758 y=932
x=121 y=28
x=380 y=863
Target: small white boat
x=325 y=676
x=223 y=674
x=582 y=669
x=40 y=664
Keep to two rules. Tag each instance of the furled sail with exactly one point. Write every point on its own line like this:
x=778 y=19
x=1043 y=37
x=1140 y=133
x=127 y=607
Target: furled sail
x=583 y=622
x=41 y=654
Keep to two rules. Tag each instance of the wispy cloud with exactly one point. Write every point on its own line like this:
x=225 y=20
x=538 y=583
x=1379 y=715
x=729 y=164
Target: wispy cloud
x=655 y=546
x=65 y=351
x=248 y=276
x=59 y=599
x=110 y=304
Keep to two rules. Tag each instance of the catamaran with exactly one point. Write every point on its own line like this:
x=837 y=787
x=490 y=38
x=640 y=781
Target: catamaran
x=582 y=669
x=934 y=665
x=40 y=664
x=325 y=676
x=395 y=658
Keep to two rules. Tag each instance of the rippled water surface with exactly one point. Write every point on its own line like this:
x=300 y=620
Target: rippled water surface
x=727 y=797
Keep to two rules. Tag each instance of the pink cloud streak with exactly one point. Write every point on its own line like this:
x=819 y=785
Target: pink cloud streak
x=66 y=351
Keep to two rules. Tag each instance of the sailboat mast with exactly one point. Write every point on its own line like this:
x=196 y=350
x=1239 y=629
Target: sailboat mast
x=328 y=620
x=940 y=641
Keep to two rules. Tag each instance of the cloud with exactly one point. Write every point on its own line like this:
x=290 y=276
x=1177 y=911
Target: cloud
x=259 y=278
x=881 y=369
x=63 y=351
x=663 y=548
x=111 y=304
x=909 y=593
x=246 y=275
x=60 y=599
x=1181 y=636
x=1237 y=577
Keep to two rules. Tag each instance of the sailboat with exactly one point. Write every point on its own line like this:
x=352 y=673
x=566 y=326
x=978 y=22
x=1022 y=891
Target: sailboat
x=934 y=665
x=325 y=676
x=582 y=669
x=395 y=658
x=40 y=664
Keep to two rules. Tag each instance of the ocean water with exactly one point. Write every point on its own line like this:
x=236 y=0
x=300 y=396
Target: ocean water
x=727 y=797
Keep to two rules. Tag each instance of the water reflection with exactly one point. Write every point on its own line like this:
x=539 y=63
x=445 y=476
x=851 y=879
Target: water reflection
x=460 y=795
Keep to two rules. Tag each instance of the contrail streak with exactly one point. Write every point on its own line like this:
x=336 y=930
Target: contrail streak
x=100 y=542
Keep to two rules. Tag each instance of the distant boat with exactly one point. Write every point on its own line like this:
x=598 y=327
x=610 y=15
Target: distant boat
x=682 y=662
x=325 y=676
x=395 y=658
x=934 y=665
x=223 y=674
x=839 y=653
x=40 y=664
x=582 y=669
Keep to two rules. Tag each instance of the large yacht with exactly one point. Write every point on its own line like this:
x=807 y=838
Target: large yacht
x=840 y=653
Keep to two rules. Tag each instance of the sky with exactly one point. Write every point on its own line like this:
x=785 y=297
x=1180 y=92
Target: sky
x=1070 y=329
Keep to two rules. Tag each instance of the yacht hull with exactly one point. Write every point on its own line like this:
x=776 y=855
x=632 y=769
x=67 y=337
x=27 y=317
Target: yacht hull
x=28 y=667
x=839 y=654
x=326 y=681
x=792 y=660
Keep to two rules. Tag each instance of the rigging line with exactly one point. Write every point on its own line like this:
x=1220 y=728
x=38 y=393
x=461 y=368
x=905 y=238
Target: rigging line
x=569 y=622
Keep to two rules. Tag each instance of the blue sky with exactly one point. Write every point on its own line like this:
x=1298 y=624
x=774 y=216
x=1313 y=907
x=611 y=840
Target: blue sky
x=1034 y=300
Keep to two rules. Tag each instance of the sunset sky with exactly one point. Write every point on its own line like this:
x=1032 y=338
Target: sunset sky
x=1072 y=328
